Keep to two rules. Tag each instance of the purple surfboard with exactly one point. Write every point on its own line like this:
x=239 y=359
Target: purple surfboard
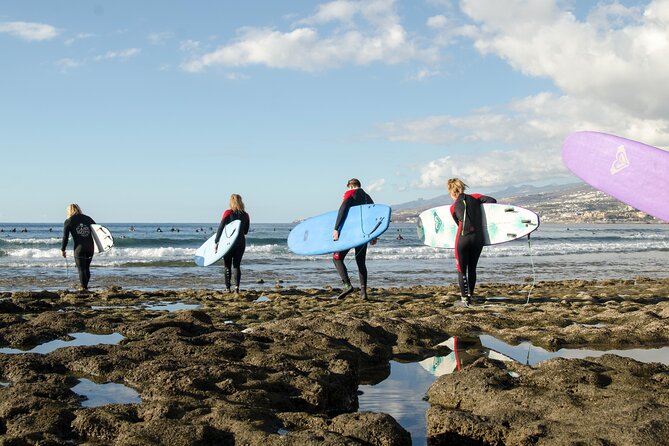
x=635 y=173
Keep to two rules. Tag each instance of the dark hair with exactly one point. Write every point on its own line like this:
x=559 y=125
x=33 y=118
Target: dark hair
x=353 y=182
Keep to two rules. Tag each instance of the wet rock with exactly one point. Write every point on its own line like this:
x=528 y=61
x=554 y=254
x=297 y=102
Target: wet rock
x=550 y=404
x=371 y=428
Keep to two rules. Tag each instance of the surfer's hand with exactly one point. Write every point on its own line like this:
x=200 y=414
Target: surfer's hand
x=64 y=254
x=215 y=248
x=373 y=241
x=335 y=236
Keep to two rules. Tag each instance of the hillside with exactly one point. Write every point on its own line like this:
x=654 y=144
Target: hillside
x=571 y=203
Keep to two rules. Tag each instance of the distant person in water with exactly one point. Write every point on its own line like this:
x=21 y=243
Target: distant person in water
x=79 y=226
x=232 y=260
x=467 y=213
x=352 y=197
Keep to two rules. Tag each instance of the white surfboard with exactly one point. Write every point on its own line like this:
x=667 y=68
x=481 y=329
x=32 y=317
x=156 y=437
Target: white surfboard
x=102 y=238
x=501 y=223
x=205 y=255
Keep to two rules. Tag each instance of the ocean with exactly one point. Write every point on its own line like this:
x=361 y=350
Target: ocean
x=148 y=259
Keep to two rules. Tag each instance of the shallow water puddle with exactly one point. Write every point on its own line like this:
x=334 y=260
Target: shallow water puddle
x=104 y=394
x=160 y=306
x=80 y=339
x=401 y=394
x=262 y=299
x=171 y=306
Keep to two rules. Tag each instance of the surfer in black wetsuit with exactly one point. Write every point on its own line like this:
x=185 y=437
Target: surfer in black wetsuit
x=354 y=196
x=79 y=225
x=233 y=258
x=467 y=213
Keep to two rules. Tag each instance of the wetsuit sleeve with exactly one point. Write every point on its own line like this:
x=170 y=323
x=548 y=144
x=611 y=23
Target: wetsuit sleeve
x=455 y=219
x=221 y=225
x=66 y=234
x=246 y=223
x=343 y=209
x=458 y=211
x=484 y=198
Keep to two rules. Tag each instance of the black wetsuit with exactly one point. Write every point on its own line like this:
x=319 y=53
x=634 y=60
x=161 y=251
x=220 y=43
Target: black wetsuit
x=79 y=226
x=233 y=258
x=352 y=197
x=467 y=213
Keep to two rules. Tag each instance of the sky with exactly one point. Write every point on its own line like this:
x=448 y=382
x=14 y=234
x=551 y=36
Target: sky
x=157 y=111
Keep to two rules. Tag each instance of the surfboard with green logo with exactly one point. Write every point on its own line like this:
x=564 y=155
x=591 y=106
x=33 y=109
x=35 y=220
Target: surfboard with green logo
x=502 y=223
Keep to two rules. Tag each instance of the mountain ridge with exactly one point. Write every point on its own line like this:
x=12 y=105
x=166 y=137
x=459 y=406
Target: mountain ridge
x=565 y=203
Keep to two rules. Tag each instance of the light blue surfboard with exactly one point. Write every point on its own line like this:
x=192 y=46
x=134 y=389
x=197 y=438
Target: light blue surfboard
x=363 y=223
x=205 y=255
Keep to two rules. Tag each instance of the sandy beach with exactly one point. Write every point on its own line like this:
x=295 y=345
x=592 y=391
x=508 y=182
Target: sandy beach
x=284 y=366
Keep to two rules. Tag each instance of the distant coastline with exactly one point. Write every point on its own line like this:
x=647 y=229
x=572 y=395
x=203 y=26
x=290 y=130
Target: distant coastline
x=568 y=204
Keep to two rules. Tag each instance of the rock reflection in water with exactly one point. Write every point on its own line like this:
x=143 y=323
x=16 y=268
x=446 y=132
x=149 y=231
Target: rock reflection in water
x=402 y=394
x=79 y=339
x=104 y=394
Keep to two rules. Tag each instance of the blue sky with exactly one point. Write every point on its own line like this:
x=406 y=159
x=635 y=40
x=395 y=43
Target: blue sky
x=156 y=111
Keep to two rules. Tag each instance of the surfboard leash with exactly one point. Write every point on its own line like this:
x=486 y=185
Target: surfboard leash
x=534 y=274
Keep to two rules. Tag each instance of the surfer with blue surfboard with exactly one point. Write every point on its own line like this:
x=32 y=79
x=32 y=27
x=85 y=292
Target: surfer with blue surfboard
x=469 y=240
x=354 y=196
x=232 y=259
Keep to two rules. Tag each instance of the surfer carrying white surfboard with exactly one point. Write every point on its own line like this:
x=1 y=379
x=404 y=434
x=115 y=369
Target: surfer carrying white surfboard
x=469 y=239
x=79 y=225
x=233 y=258
x=353 y=196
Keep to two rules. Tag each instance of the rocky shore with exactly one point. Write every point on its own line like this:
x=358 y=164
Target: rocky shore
x=283 y=367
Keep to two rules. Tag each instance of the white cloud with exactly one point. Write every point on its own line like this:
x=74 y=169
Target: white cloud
x=518 y=143
x=159 y=38
x=424 y=73
x=189 y=45
x=29 y=31
x=68 y=64
x=79 y=36
x=376 y=185
x=122 y=54
x=611 y=68
x=368 y=32
x=617 y=55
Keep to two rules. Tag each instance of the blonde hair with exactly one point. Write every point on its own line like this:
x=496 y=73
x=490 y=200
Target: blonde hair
x=236 y=203
x=456 y=186
x=73 y=209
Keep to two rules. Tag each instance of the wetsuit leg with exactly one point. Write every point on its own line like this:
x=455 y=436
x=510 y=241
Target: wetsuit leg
x=338 y=259
x=463 y=251
x=83 y=261
x=471 y=267
x=237 y=254
x=360 y=260
x=227 y=263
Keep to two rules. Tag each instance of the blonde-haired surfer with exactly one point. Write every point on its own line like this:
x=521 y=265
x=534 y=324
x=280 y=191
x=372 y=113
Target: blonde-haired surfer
x=467 y=213
x=233 y=258
x=79 y=225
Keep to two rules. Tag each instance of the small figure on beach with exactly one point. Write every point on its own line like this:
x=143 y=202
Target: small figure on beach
x=79 y=225
x=467 y=213
x=233 y=258
x=354 y=196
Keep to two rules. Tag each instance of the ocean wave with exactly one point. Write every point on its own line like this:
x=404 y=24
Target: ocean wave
x=30 y=241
